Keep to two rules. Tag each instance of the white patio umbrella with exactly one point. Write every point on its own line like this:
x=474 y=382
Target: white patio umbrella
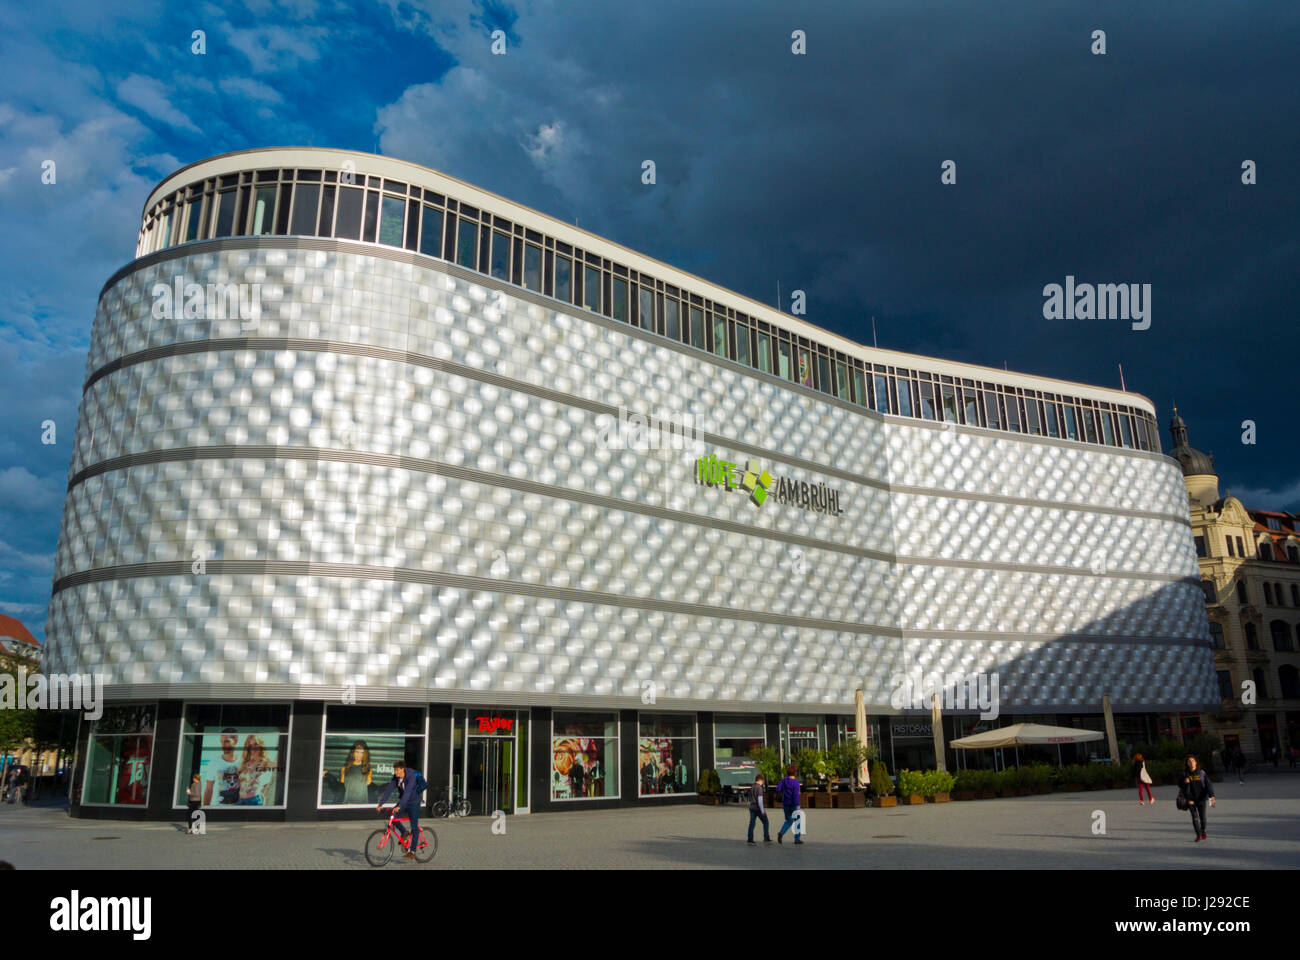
x=1024 y=734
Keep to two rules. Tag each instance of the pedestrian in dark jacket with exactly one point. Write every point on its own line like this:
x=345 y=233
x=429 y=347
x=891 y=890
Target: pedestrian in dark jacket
x=406 y=782
x=1197 y=788
x=758 y=808
x=790 y=801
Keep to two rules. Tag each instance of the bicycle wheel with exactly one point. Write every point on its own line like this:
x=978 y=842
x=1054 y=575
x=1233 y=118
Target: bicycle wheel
x=462 y=808
x=378 y=850
x=428 y=847
x=440 y=810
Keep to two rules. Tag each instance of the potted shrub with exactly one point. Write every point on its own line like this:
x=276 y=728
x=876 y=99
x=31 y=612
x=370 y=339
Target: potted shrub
x=1008 y=785
x=709 y=789
x=811 y=765
x=882 y=787
x=769 y=765
x=846 y=759
x=938 y=785
x=964 y=785
x=911 y=786
x=987 y=782
x=1042 y=778
x=1070 y=777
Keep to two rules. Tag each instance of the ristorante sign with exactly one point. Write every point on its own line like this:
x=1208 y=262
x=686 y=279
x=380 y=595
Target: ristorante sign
x=713 y=471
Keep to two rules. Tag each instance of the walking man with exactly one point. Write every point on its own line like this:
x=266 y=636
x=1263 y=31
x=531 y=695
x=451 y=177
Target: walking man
x=790 y=801
x=758 y=809
x=1197 y=788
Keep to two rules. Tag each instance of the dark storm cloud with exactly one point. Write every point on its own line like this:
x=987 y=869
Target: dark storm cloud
x=822 y=171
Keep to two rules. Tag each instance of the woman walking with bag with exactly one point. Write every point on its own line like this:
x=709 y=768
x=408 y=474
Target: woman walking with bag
x=1194 y=789
x=1143 y=779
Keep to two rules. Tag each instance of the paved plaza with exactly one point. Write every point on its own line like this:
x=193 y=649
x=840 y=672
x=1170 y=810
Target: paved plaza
x=1256 y=826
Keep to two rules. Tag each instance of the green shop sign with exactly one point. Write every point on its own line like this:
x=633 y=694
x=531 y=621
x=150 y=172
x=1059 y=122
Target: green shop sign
x=713 y=471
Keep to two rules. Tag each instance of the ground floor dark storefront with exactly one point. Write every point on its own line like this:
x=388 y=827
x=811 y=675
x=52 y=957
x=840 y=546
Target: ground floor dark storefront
x=311 y=760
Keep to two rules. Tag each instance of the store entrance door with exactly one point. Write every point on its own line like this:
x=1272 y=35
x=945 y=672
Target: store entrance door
x=489 y=774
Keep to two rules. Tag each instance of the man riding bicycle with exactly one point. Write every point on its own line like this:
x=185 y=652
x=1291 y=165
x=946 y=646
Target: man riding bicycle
x=406 y=782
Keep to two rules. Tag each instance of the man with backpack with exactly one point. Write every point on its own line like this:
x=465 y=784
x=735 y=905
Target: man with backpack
x=410 y=786
x=790 y=801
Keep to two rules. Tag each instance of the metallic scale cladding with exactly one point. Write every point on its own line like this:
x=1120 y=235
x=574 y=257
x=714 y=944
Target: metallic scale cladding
x=391 y=477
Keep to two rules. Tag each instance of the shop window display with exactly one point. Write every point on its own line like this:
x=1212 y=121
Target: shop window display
x=584 y=750
x=666 y=755
x=362 y=744
x=120 y=755
x=238 y=751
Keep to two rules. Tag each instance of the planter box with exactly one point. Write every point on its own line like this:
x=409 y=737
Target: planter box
x=1024 y=791
x=1043 y=788
x=985 y=795
x=963 y=795
x=1072 y=787
x=1117 y=784
x=850 y=799
x=884 y=802
x=914 y=799
x=710 y=800
x=1007 y=792
x=939 y=798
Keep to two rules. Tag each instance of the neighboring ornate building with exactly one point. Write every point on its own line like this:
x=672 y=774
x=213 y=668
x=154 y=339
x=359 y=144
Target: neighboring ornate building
x=1250 y=572
x=17 y=642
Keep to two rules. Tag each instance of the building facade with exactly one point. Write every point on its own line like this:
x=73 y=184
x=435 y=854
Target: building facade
x=373 y=463
x=1250 y=575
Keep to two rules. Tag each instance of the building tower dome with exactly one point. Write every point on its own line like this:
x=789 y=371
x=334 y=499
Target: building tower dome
x=1198 y=468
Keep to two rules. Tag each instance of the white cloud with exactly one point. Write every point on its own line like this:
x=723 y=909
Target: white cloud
x=250 y=89
x=16 y=609
x=148 y=95
x=24 y=490
x=272 y=49
x=19 y=560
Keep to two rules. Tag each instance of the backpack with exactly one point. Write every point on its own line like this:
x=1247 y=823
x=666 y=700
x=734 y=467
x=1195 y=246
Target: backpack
x=421 y=784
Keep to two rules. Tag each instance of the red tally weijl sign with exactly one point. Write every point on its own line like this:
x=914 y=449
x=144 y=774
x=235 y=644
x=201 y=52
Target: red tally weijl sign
x=493 y=724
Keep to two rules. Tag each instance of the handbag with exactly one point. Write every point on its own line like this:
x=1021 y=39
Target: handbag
x=1144 y=776
x=1182 y=803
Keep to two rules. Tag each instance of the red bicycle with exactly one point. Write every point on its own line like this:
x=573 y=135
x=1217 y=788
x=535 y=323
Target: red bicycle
x=381 y=845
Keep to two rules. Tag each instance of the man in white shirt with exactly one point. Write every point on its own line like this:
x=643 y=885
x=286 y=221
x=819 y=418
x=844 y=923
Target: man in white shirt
x=221 y=772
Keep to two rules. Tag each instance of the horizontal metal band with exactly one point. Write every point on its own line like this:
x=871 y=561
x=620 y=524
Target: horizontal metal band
x=188 y=348
x=508 y=699
x=469 y=474
x=357 y=571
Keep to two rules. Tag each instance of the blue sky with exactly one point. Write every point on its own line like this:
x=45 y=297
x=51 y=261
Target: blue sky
x=818 y=171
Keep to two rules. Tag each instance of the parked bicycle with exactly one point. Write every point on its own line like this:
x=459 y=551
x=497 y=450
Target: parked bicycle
x=446 y=805
x=382 y=844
